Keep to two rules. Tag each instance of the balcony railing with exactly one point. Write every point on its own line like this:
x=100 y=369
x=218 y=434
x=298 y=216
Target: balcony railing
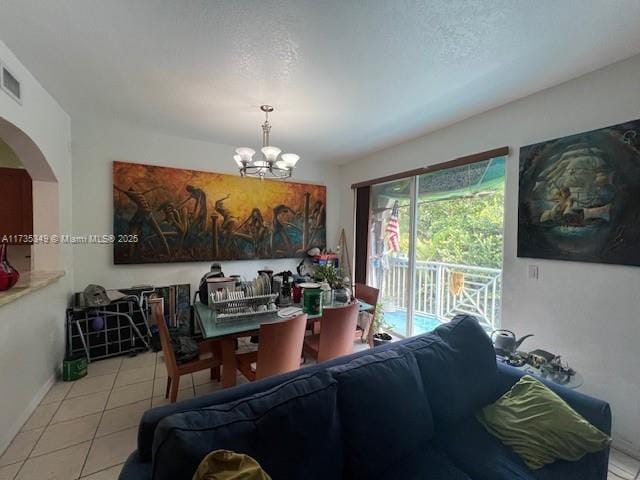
x=444 y=290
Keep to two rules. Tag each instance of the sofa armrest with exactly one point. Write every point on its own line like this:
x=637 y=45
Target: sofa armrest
x=596 y=411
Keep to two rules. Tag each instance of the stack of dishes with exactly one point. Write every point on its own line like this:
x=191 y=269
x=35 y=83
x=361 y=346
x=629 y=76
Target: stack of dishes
x=260 y=285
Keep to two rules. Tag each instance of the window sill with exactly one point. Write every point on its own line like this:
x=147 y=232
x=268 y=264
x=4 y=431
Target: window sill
x=29 y=282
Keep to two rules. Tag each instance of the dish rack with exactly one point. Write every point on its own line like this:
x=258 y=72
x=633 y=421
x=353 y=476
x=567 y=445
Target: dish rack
x=244 y=309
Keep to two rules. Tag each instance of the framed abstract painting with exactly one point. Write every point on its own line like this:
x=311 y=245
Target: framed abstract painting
x=163 y=214
x=579 y=197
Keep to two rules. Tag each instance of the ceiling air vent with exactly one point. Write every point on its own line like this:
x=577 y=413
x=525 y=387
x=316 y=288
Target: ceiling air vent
x=10 y=84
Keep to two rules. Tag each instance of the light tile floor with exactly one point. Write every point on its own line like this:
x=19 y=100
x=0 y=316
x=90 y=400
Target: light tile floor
x=622 y=466
x=86 y=429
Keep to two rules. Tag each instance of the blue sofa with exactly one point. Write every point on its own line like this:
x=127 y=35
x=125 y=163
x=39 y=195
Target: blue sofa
x=401 y=411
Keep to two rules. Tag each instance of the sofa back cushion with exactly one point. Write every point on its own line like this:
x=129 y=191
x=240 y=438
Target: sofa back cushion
x=292 y=430
x=384 y=412
x=458 y=367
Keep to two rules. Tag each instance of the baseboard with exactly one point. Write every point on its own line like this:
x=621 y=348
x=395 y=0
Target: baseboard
x=7 y=436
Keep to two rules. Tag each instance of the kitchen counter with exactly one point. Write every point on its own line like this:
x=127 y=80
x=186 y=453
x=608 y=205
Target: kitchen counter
x=29 y=282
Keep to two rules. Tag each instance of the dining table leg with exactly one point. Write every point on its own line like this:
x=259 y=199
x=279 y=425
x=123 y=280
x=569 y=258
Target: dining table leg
x=229 y=365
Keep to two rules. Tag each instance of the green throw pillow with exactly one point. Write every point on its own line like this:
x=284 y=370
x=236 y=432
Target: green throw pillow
x=228 y=465
x=540 y=426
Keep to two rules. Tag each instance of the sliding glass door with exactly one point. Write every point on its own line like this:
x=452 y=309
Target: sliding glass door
x=390 y=243
x=446 y=257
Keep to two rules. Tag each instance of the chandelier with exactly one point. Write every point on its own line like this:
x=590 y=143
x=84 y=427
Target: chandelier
x=271 y=163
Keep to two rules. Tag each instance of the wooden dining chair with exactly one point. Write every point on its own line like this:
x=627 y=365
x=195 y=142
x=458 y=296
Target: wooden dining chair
x=279 y=349
x=336 y=334
x=209 y=354
x=368 y=295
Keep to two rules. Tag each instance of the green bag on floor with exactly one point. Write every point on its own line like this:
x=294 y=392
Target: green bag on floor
x=74 y=368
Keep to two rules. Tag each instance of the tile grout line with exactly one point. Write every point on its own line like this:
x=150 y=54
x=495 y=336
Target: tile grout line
x=609 y=472
x=635 y=471
x=67 y=396
x=84 y=464
x=44 y=429
x=101 y=470
x=74 y=444
x=104 y=409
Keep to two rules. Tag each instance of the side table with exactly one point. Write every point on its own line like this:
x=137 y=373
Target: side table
x=575 y=381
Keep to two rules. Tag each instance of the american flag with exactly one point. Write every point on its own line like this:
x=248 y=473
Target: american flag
x=393 y=228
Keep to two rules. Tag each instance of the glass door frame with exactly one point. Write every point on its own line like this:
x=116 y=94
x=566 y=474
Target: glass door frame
x=411 y=278
x=411 y=257
x=413 y=229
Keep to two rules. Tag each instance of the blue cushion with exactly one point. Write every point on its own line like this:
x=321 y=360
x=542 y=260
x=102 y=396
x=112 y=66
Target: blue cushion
x=384 y=411
x=152 y=417
x=291 y=430
x=480 y=454
x=458 y=366
x=597 y=412
x=429 y=462
x=590 y=466
x=135 y=469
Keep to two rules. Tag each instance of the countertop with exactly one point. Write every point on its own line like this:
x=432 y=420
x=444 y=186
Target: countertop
x=29 y=282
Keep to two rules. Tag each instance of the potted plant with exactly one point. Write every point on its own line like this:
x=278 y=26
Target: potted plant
x=379 y=324
x=327 y=273
x=334 y=277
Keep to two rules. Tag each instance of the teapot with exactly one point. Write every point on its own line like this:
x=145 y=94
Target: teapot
x=505 y=342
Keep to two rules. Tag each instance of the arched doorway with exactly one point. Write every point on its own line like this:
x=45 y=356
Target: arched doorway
x=44 y=257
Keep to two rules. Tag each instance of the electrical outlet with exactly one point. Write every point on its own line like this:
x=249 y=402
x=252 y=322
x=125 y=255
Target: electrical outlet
x=533 y=272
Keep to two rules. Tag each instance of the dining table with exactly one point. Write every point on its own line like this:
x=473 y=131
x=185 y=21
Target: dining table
x=226 y=333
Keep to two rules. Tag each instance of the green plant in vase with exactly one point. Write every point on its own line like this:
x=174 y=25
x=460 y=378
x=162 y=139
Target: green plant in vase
x=330 y=274
x=336 y=280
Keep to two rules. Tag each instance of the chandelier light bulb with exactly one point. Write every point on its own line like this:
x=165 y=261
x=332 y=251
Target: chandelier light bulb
x=289 y=159
x=245 y=153
x=271 y=153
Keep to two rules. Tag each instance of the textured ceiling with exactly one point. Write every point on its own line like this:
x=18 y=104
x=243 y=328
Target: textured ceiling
x=346 y=77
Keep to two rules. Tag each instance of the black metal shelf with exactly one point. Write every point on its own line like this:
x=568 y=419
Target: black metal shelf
x=123 y=330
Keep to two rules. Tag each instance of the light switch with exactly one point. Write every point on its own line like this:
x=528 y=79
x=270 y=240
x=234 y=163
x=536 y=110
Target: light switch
x=533 y=272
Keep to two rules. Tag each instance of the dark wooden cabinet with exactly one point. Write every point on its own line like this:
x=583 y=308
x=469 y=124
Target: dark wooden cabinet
x=16 y=203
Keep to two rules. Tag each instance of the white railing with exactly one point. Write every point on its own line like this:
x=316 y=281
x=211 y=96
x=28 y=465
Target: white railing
x=444 y=290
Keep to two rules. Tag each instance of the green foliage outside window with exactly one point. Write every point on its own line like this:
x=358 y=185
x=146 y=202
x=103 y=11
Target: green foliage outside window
x=464 y=230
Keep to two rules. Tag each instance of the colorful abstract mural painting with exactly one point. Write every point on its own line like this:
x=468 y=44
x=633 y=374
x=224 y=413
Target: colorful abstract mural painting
x=579 y=197
x=166 y=214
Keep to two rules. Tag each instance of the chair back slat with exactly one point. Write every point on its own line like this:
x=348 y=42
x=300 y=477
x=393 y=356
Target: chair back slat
x=336 y=331
x=280 y=346
x=157 y=312
x=367 y=294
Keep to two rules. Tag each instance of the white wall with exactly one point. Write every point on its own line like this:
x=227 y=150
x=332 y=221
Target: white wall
x=32 y=328
x=8 y=158
x=586 y=312
x=96 y=143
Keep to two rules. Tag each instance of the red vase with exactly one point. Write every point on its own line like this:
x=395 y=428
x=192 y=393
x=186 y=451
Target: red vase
x=8 y=275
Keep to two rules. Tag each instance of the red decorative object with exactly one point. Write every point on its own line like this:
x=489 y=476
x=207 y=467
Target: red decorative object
x=8 y=275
